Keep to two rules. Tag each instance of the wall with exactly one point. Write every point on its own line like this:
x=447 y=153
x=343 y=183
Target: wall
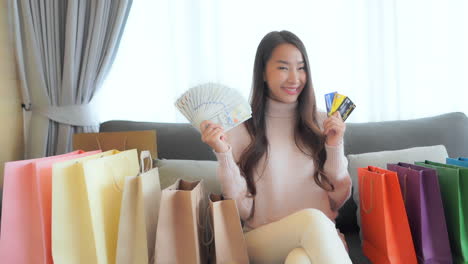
x=11 y=145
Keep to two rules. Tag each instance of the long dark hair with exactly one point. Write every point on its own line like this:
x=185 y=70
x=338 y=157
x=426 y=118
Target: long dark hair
x=307 y=134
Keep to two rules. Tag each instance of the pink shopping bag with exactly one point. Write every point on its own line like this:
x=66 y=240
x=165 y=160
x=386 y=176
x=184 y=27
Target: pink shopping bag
x=25 y=233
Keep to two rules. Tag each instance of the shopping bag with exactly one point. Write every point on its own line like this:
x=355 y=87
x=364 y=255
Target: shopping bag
x=139 y=215
x=227 y=244
x=181 y=224
x=385 y=229
x=423 y=202
x=104 y=179
x=72 y=233
x=25 y=229
x=140 y=140
x=453 y=181
x=458 y=162
x=86 y=232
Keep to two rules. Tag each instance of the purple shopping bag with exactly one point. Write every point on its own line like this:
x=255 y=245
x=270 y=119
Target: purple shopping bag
x=423 y=202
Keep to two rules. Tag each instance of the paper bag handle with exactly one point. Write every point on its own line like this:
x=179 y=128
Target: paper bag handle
x=208 y=217
x=405 y=177
x=210 y=233
x=100 y=147
x=114 y=180
x=367 y=210
x=144 y=155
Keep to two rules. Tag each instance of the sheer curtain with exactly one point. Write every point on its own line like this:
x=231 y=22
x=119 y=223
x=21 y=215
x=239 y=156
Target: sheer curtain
x=63 y=52
x=395 y=59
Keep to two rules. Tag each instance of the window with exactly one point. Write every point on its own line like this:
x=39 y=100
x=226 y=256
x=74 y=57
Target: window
x=395 y=59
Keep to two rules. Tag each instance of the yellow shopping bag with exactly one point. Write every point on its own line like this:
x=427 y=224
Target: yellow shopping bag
x=86 y=201
x=72 y=234
x=105 y=178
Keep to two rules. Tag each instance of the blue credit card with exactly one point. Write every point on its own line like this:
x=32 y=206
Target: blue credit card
x=329 y=100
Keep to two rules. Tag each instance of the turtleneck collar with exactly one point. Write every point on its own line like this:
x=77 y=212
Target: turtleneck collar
x=279 y=109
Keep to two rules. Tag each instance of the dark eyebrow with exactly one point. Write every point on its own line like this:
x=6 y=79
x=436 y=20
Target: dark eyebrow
x=287 y=63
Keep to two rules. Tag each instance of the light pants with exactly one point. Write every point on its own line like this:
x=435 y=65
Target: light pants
x=307 y=236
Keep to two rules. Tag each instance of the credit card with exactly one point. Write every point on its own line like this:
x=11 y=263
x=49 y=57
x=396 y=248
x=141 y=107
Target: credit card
x=329 y=100
x=346 y=107
x=338 y=102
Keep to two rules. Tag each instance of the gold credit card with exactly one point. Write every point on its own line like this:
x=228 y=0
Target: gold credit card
x=340 y=103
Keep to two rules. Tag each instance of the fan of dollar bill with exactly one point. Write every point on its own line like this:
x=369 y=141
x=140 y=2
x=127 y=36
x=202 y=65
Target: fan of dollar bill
x=216 y=102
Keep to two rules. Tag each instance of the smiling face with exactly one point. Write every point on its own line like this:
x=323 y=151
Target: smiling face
x=285 y=73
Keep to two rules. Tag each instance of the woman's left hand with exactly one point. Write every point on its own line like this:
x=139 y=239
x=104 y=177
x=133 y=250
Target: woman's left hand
x=334 y=129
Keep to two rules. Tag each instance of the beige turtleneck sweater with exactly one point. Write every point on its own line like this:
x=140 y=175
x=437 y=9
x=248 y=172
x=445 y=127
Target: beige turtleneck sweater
x=287 y=184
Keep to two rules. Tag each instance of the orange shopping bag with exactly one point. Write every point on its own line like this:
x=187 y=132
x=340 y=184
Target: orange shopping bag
x=385 y=229
x=26 y=218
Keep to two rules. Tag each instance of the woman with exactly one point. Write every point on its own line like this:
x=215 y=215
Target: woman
x=285 y=167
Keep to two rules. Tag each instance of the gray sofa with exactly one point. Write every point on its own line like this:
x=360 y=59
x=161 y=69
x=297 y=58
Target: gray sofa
x=181 y=141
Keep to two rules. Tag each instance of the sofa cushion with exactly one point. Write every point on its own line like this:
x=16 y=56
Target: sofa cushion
x=175 y=140
x=449 y=129
x=380 y=159
x=190 y=170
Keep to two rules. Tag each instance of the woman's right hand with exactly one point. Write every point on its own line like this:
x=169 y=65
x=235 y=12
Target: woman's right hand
x=213 y=135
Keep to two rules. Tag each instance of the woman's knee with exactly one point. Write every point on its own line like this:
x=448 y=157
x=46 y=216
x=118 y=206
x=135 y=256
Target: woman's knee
x=297 y=256
x=313 y=217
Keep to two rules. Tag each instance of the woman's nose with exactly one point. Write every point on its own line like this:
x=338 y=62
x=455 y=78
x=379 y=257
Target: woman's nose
x=293 y=76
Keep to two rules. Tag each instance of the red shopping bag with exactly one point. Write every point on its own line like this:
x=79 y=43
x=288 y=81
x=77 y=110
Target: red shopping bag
x=385 y=228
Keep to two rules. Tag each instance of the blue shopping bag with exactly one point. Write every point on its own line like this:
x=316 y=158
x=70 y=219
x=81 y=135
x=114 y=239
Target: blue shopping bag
x=458 y=162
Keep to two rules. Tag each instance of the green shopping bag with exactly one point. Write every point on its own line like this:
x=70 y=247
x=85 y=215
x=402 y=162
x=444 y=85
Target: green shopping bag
x=453 y=182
